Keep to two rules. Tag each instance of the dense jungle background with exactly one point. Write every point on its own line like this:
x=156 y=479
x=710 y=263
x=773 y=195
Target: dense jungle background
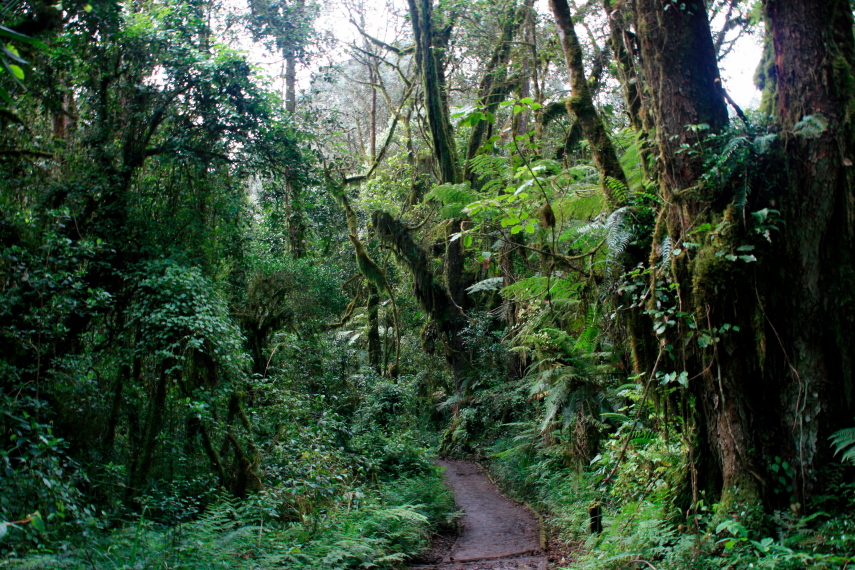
x=244 y=300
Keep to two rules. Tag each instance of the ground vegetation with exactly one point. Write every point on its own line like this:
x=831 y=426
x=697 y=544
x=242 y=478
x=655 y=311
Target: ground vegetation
x=239 y=317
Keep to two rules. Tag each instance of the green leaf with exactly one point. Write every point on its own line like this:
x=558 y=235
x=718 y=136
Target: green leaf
x=37 y=521
x=811 y=126
x=526 y=100
x=517 y=109
x=530 y=228
x=516 y=229
x=467 y=241
x=16 y=71
x=12 y=34
x=11 y=68
x=13 y=54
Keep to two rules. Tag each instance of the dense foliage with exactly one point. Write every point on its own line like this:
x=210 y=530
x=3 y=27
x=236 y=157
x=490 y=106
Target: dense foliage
x=238 y=318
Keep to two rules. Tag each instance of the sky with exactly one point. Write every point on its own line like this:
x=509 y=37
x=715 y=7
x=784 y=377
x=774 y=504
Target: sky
x=737 y=72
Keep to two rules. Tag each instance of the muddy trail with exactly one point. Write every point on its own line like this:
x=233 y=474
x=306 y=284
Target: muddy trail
x=497 y=533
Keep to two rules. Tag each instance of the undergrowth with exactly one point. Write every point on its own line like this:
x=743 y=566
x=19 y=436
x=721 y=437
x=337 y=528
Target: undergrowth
x=642 y=528
x=377 y=526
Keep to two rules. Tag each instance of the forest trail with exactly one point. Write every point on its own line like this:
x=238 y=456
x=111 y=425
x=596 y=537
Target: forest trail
x=498 y=534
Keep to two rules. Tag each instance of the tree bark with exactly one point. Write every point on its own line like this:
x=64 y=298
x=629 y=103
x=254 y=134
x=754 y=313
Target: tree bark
x=141 y=467
x=431 y=44
x=678 y=65
x=494 y=85
x=374 y=347
x=581 y=105
x=433 y=298
x=814 y=66
x=619 y=38
x=683 y=87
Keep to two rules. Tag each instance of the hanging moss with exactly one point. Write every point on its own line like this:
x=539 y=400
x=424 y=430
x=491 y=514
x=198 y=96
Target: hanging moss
x=447 y=319
x=766 y=78
x=377 y=277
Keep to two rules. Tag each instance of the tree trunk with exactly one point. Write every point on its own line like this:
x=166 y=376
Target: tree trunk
x=431 y=44
x=494 y=86
x=374 y=346
x=683 y=83
x=372 y=115
x=433 y=298
x=682 y=89
x=618 y=41
x=581 y=105
x=141 y=467
x=291 y=73
x=814 y=65
x=294 y=211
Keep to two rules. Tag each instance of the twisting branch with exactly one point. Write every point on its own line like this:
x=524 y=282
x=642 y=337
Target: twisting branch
x=391 y=132
x=381 y=43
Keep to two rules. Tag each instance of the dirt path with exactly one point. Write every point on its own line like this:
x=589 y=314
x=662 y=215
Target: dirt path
x=498 y=534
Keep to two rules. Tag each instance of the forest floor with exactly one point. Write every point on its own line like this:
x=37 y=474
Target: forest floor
x=497 y=533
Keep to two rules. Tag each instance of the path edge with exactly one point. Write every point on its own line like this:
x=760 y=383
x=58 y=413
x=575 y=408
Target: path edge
x=541 y=522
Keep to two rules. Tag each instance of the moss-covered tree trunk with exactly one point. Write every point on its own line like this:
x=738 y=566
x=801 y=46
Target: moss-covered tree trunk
x=682 y=88
x=782 y=382
x=375 y=348
x=431 y=44
x=444 y=305
x=618 y=40
x=431 y=295
x=494 y=86
x=580 y=104
x=814 y=69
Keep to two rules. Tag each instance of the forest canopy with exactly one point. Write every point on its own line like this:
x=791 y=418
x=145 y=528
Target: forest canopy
x=261 y=262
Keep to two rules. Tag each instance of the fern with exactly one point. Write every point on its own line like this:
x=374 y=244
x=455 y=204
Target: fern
x=811 y=126
x=618 y=190
x=490 y=284
x=587 y=341
x=762 y=144
x=631 y=162
x=618 y=237
x=666 y=250
x=453 y=197
x=844 y=441
x=740 y=199
x=538 y=287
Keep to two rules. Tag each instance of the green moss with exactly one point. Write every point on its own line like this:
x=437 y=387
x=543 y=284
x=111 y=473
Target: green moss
x=845 y=83
x=766 y=78
x=740 y=502
x=712 y=272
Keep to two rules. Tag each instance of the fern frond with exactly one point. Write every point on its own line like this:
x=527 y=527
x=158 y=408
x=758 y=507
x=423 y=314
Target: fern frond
x=666 y=250
x=842 y=440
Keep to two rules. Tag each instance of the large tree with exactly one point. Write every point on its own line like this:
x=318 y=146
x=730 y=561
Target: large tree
x=783 y=381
